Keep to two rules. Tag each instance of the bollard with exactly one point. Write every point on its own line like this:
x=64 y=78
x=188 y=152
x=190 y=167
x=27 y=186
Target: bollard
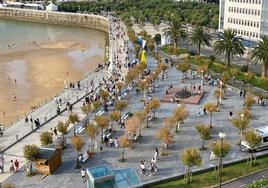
x=32 y=127
x=17 y=137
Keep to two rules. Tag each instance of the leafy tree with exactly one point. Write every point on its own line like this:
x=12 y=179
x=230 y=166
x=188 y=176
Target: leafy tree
x=179 y=115
x=245 y=113
x=218 y=93
x=157 y=39
x=119 y=106
x=141 y=117
x=253 y=139
x=8 y=185
x=92 y=131
x=86 y=109
x=132 y=126
x=119 y=85
x=154 y=104
x=95 y=106
x=115 y=116
x=190 y=157
x=249 y=76
x=241 y=124
x=234 y=72
x=46 y=138
x=198 y=37
x=143 y=86
x=123 y=142
x=164 y=134
x=225 y=76
x=104 y=95
x=77 y=143
x=62 y=128
x=249 y=100
x=220 y=150
x=175 y=31
x=73 y=118
x=211 y=108
x=260 y=55
x=204 y=133
x=183 y=67
x=103 y=123
x=30 y=152
x=230 y=44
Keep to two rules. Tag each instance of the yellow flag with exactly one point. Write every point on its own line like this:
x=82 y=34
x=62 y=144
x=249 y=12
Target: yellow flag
x=143 y=57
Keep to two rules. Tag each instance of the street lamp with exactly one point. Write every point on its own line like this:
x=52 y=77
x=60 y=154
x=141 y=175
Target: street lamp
x=242 y=116
x=221 y=83
x=221 y=136
x=202 y=77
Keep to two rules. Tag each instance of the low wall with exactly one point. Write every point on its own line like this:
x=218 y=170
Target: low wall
x=58 y=18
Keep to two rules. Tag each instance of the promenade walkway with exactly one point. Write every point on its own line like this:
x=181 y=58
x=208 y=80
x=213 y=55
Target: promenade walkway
x=20 y=134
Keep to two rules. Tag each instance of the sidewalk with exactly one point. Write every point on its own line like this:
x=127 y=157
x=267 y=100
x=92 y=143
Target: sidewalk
x=242 y=182
x=19 y=134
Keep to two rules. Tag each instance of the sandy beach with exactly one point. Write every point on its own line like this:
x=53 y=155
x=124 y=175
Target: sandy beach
x=32 y=76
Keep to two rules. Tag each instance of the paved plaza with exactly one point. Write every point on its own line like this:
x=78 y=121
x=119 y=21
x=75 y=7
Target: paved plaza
x=67 y=176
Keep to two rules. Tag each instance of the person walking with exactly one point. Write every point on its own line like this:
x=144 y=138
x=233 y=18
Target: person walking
x=156 y=154
x=16 y=164
x=106 y=140
x=2 y=162
x=26 y=121
x=11 y=167
x=55 y=131
x=83 y=175
x=205 y=111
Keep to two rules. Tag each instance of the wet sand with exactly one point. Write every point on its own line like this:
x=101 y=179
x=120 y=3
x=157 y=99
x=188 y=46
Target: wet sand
x=40 y=74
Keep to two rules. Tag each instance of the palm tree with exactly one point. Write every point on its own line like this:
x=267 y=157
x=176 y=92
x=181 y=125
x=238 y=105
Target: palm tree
x=230 y=44
x=198 y=37
x=259 y=54
x=175 y=31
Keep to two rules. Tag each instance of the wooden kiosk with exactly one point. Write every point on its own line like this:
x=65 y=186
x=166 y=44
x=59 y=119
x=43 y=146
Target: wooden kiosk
x=48 y=160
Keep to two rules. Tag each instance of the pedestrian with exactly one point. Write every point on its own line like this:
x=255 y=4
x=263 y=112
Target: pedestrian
x=241 y=93
x=26 y=121
x=2 y=162
x=111 y=140
x=230 y=115
x=106 y=139
x=101 y=148
x=156 y=154
x=55 y=131
x=16 y=164
x=31 y=120
x=83 y=175
x=244 y=94
x=11 y=168
x=142 y=167
x=205 y=111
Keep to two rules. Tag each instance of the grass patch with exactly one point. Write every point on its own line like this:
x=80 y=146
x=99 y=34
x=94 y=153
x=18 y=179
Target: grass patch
x=210 y=178
x=169 y=49
x=218 y=67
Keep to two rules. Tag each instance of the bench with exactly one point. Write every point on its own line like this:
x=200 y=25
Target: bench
x=99 y=113
x=80 y=129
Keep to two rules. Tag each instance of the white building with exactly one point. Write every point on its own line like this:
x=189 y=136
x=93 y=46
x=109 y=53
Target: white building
x=249 y=18
x=52 y=7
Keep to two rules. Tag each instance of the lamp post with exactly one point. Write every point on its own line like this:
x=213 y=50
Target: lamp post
x=202 y=78
x=221 y=83
x=242 y=116
x=221 y=136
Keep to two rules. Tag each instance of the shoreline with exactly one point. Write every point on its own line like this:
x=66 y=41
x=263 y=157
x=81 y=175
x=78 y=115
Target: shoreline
x=29 y=76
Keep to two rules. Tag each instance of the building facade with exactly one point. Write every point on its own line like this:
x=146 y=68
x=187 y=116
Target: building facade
x=249 y=18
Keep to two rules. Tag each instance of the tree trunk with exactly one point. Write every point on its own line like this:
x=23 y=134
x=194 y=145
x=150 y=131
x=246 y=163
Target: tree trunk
x=263 y=72
x=123 y=152
x=154 y=112
x=102 y=135
x=174 y=47
x=203 y=144
x=210 y=122
x=140 y=130
x=77 y=160
x=228 y=60
x=251 y=157
x=177 y=127
x=147 y=121
x=198 y=49
x=31 y=167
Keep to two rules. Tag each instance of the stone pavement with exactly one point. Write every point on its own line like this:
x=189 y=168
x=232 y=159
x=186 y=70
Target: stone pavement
x=169 y=165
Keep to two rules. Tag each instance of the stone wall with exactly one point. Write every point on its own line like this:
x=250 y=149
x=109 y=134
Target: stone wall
x=60 y=18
